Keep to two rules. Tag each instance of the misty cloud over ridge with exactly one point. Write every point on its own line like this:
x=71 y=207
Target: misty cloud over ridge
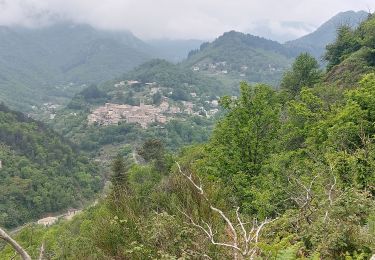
x=178 y=19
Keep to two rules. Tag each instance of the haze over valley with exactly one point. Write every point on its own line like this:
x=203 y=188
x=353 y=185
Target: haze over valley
x=191 y=130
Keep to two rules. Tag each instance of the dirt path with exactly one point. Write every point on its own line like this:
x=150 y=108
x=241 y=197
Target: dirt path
x=68 y=215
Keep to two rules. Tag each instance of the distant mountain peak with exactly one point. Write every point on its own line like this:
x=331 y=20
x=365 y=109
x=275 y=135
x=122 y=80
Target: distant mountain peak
x=236 y=55
x=243 y=36
x=236 y=39
x=316 y=41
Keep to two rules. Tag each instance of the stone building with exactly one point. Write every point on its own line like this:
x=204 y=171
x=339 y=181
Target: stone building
x=47 y=221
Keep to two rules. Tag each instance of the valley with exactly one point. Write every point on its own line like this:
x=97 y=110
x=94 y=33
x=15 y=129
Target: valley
x=241 y=147
x=66 y=57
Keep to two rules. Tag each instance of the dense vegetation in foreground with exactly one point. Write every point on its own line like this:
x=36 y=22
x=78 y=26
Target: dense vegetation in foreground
x=41 y=172
x=286 y=175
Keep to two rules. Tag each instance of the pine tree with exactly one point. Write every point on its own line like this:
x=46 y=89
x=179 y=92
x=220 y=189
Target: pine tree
x=118 y=172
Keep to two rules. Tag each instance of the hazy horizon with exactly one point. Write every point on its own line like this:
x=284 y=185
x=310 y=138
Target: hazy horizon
x=168 y=19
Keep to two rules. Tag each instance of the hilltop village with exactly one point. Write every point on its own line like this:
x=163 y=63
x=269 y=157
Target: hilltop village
x=110 y=114
x=145 y=114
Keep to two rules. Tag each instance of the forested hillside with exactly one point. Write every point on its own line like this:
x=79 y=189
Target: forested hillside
x=235 y=56
x=40 y=171
x=351 y=55
x=158 y=81
x=51 y=64
x=286 y=174
x=178 y=84
x=44 y=64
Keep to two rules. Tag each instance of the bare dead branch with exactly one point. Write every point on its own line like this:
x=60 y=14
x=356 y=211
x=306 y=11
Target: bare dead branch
x=190 y=178
x=22 y=252
x=209 y=233
x=332 y=187
x=330 y=191
x=247 y=246
x=41 y=252
x=229 y=223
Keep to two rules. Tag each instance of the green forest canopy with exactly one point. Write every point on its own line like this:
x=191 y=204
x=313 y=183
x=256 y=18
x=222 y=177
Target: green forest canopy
x=41 y=171
x=296 y=166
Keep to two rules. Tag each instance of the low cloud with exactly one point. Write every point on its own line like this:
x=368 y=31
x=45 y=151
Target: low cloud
x=180 y=19
x=280 y=30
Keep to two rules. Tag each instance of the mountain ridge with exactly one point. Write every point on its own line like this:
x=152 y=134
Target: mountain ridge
x=238 y=56
x=35 y=60
x=53 y=63
x=316 y=41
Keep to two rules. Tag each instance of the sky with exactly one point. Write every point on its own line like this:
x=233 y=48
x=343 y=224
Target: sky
x=183 y=19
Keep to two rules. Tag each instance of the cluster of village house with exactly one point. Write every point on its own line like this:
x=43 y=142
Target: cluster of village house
x=222 y=68
x=144 y=115
x=48 y=221
x=218 y=67
x=112 y=114
x=48 y=109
